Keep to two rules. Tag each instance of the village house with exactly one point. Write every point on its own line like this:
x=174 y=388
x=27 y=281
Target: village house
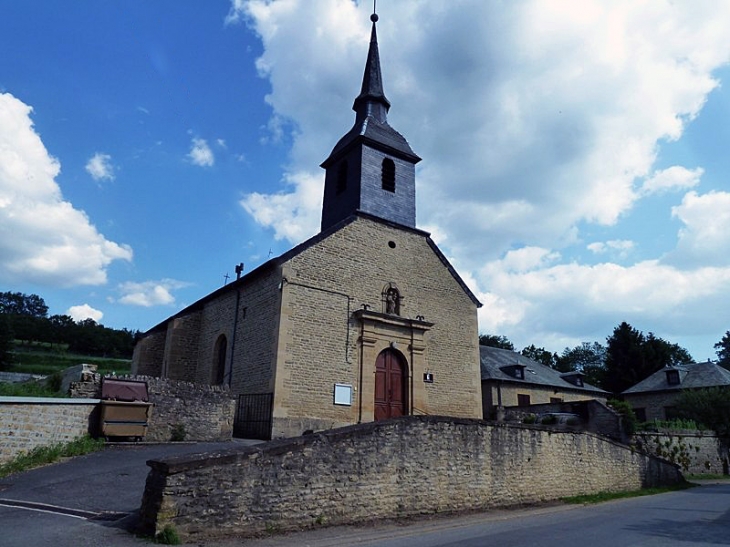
x=366 y=320
x=511 y=380
x=655 y=397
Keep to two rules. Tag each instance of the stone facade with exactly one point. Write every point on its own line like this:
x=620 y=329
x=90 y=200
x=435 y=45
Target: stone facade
x=29 y=422
x=510 y=395
x=317 y=317
x=388 y=469
x=653 y=406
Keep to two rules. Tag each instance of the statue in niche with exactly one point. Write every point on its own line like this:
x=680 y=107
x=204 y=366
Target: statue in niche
x=392 y=301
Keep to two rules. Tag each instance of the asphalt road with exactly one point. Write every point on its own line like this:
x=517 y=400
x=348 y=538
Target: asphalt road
x=102 y=488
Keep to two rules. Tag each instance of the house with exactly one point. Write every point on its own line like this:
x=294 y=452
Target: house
x=510 y=379
x=366 y=320
x=655 y=397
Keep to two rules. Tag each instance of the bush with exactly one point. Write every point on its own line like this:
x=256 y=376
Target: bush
x=178 y=433
x=550 y=419
x=627 y=415
x=168 y=536
x=529 y=419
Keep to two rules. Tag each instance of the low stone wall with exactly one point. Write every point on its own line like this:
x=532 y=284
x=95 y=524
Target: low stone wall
x=388 y=469
x=182 y=410
x=30 y=422
x=696 y=452
x=201 y=412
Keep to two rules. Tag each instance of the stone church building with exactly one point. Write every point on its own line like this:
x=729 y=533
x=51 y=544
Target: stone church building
x=366 y=320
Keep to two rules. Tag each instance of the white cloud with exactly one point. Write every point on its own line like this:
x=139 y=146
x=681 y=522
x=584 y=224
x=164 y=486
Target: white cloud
x=47 y=241
x=84 y=311
x=673 y=178
x=150 y=293
x=200 y=153
x=302 y=208
x=100 y=167
x=540 y=123
x=620 y=247
x=705 y=236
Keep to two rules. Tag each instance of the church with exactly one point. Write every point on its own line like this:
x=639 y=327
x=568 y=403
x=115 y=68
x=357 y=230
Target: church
x=365 y=321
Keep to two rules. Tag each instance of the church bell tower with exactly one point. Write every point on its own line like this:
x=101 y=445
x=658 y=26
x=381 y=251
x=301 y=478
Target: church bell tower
x=372 y=169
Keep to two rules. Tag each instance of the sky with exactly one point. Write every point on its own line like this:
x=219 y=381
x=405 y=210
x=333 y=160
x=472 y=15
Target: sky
x=575 y=167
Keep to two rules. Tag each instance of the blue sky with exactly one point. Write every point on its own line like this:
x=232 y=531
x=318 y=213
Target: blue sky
x=575 y=168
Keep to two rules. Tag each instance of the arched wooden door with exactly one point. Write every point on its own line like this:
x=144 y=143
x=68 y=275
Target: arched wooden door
x=390 y=385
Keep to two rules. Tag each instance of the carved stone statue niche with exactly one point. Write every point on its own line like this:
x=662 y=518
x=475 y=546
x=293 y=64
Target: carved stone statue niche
x=392 y=301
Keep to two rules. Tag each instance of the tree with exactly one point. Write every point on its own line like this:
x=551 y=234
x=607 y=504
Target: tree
x=494 y=341
x=541 y=355
x=723 y=351
x=709 y=407
x=6 y=342
x=16 y=303
x=587 y=358
x=631 y=357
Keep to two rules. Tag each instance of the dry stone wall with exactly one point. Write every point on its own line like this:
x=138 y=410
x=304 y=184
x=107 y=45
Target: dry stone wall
x=388 y=469
x=29 y=422
x=696 y=452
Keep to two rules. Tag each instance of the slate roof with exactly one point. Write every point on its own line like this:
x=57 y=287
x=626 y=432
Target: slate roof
x=493 y=360
x=695 y=375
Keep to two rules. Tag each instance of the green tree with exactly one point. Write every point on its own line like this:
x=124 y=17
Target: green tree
x=541 y=355
x=723 y=351
x=709 y=407
x=588 y=358
x=6 y=342
x=16 y=303
x=495 y=341
x=632 y=356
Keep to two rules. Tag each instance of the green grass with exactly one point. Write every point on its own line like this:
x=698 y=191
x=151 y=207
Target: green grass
x=608 y=496
x=44 y=455
x=28 y=389
x=706 y=476
x=48 y=362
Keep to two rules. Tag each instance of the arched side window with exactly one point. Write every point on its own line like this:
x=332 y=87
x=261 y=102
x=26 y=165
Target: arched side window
x=341 y=184
x=219 y=360
x=388 y=175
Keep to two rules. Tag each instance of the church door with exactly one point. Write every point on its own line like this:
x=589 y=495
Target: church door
x=390 y=385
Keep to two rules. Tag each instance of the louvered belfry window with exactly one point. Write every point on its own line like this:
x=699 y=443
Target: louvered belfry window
x=388 y=175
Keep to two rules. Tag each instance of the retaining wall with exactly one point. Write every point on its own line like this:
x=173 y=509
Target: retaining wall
x=696 y=452
x=388 y=469
x=29 y=422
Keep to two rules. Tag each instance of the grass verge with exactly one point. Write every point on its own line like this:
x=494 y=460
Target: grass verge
x=43 y=455
x=608 y=496
x=706 y=476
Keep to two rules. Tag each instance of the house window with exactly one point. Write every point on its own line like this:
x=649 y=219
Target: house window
x=523 y=400
x=640 y=414
x=388 y=175
x=341 y=185
x=671 y=413
x=673 y=377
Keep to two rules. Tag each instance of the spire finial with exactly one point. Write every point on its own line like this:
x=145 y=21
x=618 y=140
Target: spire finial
x=374 y=16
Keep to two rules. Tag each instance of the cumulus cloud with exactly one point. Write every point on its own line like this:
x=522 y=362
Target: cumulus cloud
x=46 y=240
x=84 y=311
x=540 y=124
x=705 y=235
x=673 y=178
x=100 y=167
x=200 y=153
x=150 y=293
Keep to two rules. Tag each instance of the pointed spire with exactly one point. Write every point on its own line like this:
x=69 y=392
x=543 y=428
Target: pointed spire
x=372 y=100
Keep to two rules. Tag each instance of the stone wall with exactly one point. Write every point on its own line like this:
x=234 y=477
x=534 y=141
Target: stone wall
x=30 y=422
x=697 y=452
x=201 y=412
x=386 y=469
x=653 y=405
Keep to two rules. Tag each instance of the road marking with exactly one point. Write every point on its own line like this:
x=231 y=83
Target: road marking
x=57 y=510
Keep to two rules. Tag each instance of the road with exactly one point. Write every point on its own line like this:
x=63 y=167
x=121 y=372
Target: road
x=108 y=485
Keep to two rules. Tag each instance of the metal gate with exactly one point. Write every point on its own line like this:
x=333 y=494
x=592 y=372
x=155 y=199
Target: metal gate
x=253 y=416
